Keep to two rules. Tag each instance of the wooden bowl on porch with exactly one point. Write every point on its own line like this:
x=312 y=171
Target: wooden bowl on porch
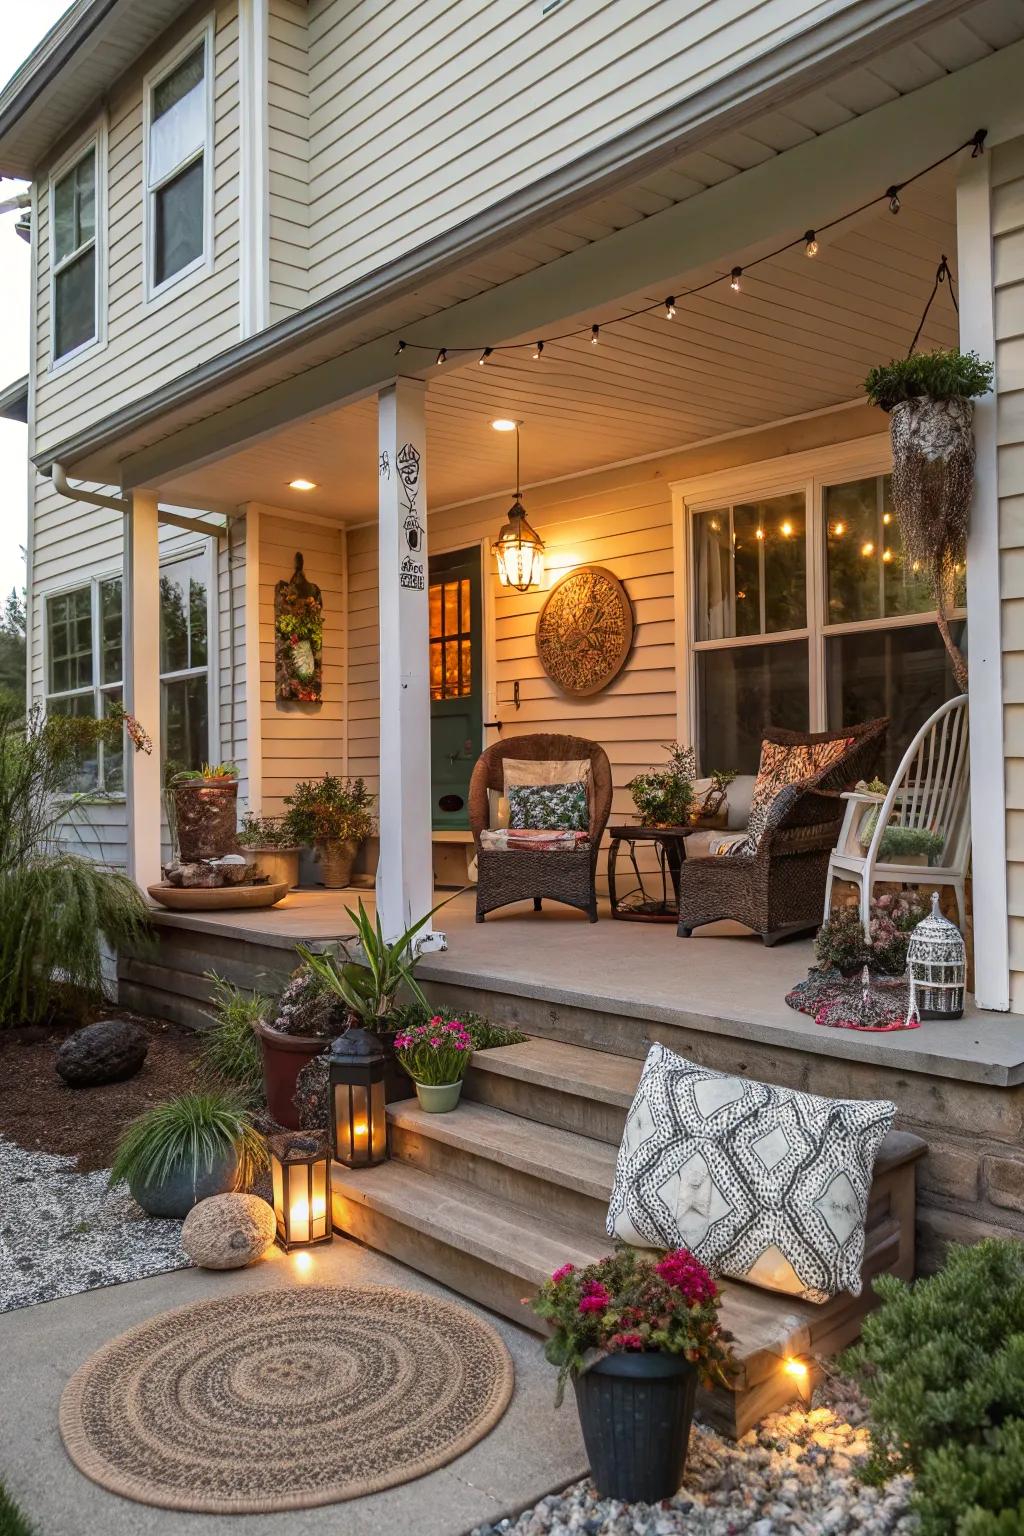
x=217 y=899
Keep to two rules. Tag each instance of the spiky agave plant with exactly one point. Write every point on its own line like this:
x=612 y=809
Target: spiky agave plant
x=369 y=985
x=190 y=1130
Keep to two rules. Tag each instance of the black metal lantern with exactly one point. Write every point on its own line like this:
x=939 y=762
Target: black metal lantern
x=358 y=1123
x=519 y=549
x=301 y=1174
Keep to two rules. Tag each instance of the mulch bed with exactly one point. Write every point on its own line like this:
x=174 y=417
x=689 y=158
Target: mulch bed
x=38 y=1111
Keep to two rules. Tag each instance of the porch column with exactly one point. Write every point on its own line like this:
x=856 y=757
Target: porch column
x=141 y=607
x=405 y=871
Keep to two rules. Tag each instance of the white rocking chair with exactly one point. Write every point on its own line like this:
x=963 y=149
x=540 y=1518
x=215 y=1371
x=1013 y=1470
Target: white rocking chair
x=930 y=793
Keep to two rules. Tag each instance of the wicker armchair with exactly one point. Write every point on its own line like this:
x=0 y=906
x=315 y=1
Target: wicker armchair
x=516 y=874
x=778 y=891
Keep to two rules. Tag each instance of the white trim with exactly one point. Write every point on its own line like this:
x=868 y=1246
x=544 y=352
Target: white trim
x=94 y=140
x=154 y=292
x=985 y=661
x=254 y=175
x=251 y=651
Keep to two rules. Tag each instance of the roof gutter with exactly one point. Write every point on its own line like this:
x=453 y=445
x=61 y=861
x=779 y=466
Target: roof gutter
x=41 y=74
x=123 y=504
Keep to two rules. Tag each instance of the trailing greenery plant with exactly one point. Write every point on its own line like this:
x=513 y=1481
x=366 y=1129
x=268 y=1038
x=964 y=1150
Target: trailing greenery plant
x=483 y=1035
x=193 y=1130
x=229 y=1055
x=329 y=809
x=841 y=944
x=12 y=1519
x=265 y=832
x=369 y=986
x=940 y=375
x=942 y=1365
x=435 y=1053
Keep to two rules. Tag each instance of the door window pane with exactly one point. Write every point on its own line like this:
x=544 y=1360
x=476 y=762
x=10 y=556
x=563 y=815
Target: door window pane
x=69 y=641
x=451 y=661
x=743 y=689
x=903 y=673
x=185 y=721
x=178 y=216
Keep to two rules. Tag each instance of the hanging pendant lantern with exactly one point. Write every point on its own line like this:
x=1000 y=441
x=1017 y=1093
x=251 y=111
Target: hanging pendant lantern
x=936 y=968
x=519 y=549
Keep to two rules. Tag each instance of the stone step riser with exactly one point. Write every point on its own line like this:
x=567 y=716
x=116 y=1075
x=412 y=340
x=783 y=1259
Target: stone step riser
x=564 y=1111
x=553 y=1199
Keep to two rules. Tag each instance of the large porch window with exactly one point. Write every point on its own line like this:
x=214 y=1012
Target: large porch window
x=83 y=670
x=184 y=662
x=806 y=614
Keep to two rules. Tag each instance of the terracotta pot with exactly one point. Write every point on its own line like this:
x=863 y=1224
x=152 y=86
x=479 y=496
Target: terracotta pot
x=284 y=1057
x=336 y=858
x=206 y=819
x=280 y=865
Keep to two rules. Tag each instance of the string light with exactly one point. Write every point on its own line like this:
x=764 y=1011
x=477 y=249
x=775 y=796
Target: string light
x=595 y=335
x=786 y=530
x=839 y=530
x=670 y=307
x=887 y=518
x=759 y=534
x=400 y=349
x=893 y=194
x=734 y=279
x=887 y=556
x=485 y=354
x=810 y=243
x=537 y=350
x=867 y=550
x=442 y=357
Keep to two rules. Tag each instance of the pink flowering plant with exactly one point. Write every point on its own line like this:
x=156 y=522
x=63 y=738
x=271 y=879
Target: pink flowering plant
x=632 y=1301
x=435 y=1053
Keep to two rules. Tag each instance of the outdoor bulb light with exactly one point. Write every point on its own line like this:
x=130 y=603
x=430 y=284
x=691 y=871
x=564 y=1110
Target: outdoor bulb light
x=595 y=335
x=358 y=1125
x=485 y=354
x=734 y=279
x=518 y=549
x=786 y=530
x=811 y=243
x=893 y=194
x=839 y=530
x=759 y=533
x=537 y=350
x=300 y=1173
x=302 y=485
x=887 y=556
x=503 y=424
x=800 y=1373
x=887 y=518
x=867 y=550
x=670 y=308
x=441 y=357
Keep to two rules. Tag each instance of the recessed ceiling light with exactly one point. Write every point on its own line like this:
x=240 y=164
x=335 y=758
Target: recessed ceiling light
x=302 y=485
x=503 y=424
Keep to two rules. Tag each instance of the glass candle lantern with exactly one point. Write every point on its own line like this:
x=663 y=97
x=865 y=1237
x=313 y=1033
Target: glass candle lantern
x=301 y=1175
x=358 y=1123
x=936 y=968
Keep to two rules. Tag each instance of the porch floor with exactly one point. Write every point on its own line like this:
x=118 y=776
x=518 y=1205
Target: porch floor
x=722 y=981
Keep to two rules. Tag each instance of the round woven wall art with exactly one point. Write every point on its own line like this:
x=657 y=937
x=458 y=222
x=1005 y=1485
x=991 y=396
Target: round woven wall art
x=285 y=1399
x=585 y=630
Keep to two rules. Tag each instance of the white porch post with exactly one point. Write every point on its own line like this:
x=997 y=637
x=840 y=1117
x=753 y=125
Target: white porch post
x=405 y=871
x=141 y=605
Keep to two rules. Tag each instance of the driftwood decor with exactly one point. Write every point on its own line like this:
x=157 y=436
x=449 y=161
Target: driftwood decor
x=298 y=637
x=585 y=631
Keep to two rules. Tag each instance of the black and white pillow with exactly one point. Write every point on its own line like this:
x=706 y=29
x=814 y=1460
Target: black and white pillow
x=762 y=1184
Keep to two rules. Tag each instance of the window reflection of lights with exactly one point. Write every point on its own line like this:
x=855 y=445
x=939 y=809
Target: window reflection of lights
x=867 y=550
x=838 y=529
x=786 y=530
x=760 y=533
x=887 y=518
x=887 y=556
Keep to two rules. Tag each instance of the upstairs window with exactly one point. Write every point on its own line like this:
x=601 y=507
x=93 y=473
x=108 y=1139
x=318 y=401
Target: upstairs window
x=178 y=166
x=75 y=257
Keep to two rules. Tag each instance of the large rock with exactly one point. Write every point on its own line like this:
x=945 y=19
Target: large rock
x=228 y=1231
x=105 y=1052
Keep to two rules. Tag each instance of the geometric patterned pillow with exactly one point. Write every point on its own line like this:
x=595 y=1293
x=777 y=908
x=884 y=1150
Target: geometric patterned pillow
x=551 y=807
x=760 y=1183
x=781 y=765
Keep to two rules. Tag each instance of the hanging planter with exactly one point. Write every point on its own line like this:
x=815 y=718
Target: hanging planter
x=929 y=397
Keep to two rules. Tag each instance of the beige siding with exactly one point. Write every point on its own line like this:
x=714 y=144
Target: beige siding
x=147 y=344
x=1008 y=259
x=288 y=109
x=301 y=741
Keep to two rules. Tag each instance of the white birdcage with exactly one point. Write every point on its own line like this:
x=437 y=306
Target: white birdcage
x=936 y=968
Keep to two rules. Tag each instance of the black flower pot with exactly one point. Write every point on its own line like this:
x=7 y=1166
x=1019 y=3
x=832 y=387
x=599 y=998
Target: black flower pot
x=635 y=1413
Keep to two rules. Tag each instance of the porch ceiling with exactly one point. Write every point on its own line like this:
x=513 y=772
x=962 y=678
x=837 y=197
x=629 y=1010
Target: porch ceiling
x=798 y=338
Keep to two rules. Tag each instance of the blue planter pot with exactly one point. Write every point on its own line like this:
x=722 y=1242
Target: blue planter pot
x=183 y=1187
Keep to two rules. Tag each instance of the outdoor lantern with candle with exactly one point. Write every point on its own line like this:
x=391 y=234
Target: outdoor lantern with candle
x=936 y=968
x=358 y=1124
x=301 y=1174
x=519 y=549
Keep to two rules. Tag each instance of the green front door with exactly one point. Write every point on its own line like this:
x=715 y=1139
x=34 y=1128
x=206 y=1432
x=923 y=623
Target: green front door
x=456 y=693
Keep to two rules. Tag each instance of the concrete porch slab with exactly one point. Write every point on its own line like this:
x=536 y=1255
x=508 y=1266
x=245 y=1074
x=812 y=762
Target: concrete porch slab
x=533 y=1450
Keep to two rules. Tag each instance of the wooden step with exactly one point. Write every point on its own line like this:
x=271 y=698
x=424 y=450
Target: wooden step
x=563 y=1086
x=563 y=1177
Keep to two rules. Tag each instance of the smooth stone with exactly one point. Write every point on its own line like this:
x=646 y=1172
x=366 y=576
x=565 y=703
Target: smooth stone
x=105 y=1052
x=228 y=1231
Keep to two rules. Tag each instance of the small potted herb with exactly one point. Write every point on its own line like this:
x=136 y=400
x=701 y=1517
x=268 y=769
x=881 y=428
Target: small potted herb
x=272 y=847
x=663 y=796
x=635 y=1334
x=204 y=811
x=189 y=1147
x=436 y=1056
x=334 y=815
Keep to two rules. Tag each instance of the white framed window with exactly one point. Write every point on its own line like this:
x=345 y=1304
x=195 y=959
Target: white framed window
x=178 y=163
x=83 y=663
x=187 y=622
x=77 y=250
x=801 y=610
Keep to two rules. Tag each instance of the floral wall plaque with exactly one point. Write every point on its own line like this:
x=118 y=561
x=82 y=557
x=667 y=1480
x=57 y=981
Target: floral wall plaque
x=298 y=637
x=585 y=630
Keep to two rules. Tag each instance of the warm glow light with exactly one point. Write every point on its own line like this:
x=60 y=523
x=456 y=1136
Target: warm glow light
x=887 y=555
x=916 y=566
x=811 y=243
x=887 y=518
x=760 y=533
x=795 y=1368
x=715 y=525
x=503 y=424
x=867 y=549
x=303 y=1261
x=786 y=530
x=839 y=529
x=302 y=485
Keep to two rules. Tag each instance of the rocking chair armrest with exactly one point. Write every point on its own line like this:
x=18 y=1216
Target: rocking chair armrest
x=864 y=796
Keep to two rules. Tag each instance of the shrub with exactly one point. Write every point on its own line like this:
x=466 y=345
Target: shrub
x=265 y=832
x=940 y=375
x=12 y=1520
x=191 y=1128
x=483 y=1035
x=663 y=796
x=841 y=944
x=942 y=1365
x=328 y=809
x=230 y=1051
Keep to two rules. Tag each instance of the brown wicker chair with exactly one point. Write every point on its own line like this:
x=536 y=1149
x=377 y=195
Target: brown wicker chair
x=779 y=890
x=517 y=874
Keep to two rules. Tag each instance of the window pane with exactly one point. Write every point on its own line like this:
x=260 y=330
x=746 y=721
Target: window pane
x=852 y=552
x=435 y=610
x=69 y=641
x=112 y=757
x=85 y=775
x=451 y=607
x=74 y=291
x=466 y=619
x=742 y=689
x=110 y=631
x=173 y=620
x=785 y=563
x=185 y=723
x=436 y=670
x=178 y=214
x=178 y=128
x=64 y=240
x=751 y=580
x=174 y=87
x=74 y=208
x=748 y=536
x=197 y=621
x=906 y=589
x=85 y=180
x=903 y=673
x=712 y=575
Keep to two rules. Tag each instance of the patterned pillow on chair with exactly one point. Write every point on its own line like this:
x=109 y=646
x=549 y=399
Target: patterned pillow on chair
x=548 y=807
x=761 y=1183
x=780 y=766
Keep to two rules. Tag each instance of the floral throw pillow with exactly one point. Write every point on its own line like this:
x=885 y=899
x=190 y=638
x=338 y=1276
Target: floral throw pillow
x=548 y=807
x=781 y=766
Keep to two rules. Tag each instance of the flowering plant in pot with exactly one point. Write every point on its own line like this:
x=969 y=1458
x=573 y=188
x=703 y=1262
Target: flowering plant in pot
x=635 y=1333
x=334 y=815
x=204 y=811
x=273 y=846
x=436 y=1056
x=841 y=944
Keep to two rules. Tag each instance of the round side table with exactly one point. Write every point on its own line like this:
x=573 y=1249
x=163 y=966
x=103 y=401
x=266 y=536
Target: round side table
x=654 y=898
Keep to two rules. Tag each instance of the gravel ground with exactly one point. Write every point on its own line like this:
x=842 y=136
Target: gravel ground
x=62 y=1231
x=796 y=1473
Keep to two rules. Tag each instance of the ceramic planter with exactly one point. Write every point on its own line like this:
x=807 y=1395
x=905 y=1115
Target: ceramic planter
x=205 y=818
x=336 y=857
x=635 y=1412
x=280 y=865
x=439 y=1098
x=184 y=1187
x=284 y=1057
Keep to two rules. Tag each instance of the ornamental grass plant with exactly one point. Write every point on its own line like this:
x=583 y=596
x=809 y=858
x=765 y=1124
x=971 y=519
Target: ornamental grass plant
x=12 y=1519
x=436 y=1053
x=190 y=1130
x=229 y=1055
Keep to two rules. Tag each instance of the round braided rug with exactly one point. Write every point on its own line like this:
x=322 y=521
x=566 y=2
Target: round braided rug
x=285 y=1399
